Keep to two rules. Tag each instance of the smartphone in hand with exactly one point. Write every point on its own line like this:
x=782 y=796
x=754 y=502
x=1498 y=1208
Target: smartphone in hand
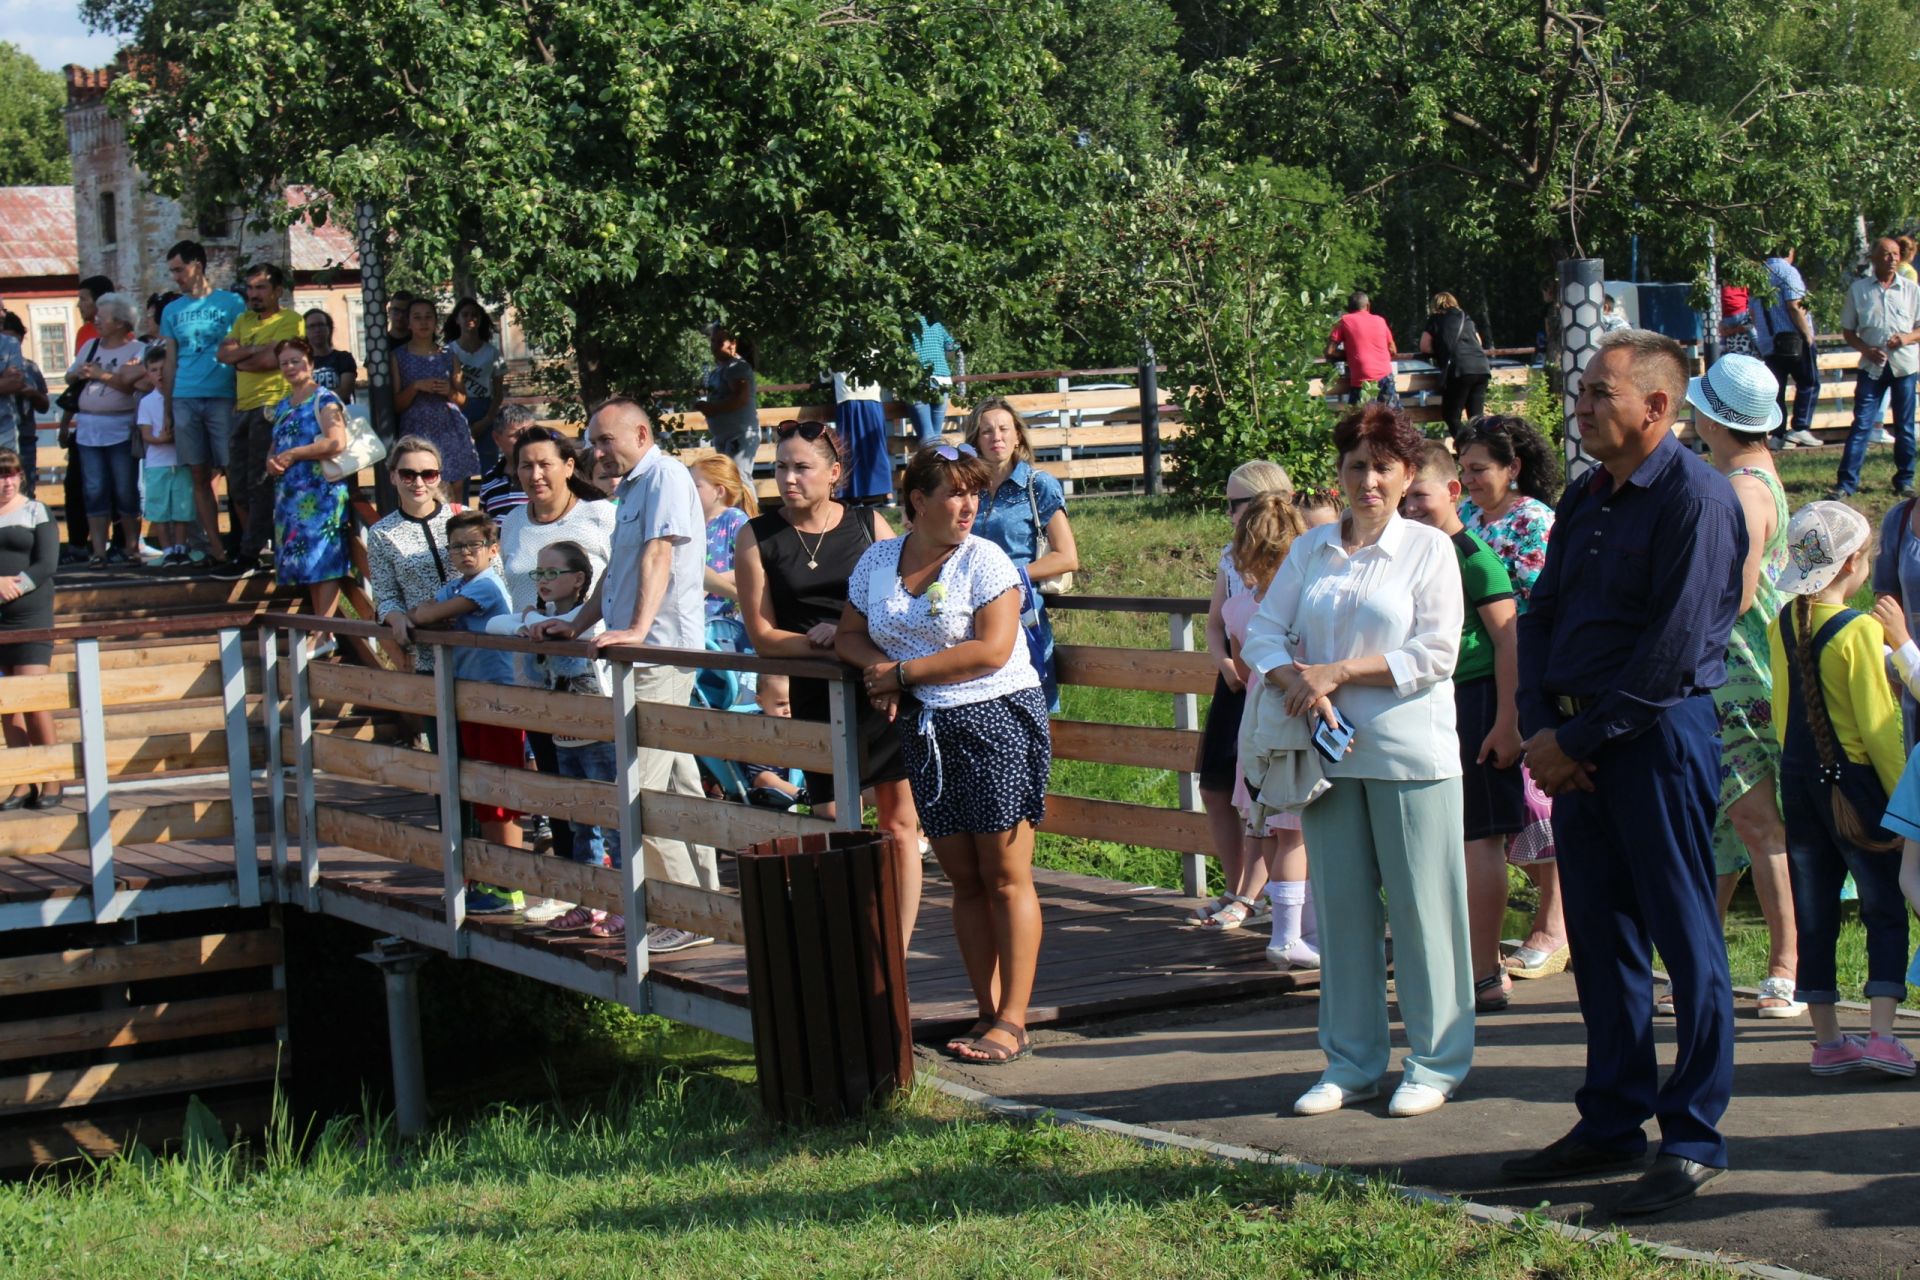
x=1332 y=740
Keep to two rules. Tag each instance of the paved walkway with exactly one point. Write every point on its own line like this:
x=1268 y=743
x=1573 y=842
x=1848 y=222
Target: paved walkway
x=1826 y=1176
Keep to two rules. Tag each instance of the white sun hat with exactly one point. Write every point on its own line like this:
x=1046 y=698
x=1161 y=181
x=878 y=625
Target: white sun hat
x=1739 y=392
x=1820 y=537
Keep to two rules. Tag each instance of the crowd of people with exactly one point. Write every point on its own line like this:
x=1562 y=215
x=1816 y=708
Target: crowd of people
x=1635 y=691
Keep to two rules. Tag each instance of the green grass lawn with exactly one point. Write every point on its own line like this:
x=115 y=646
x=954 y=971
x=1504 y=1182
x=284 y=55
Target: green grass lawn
x=1162 y=547
x=676 y=1177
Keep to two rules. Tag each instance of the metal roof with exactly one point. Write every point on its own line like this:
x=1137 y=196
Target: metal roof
x=36 y=232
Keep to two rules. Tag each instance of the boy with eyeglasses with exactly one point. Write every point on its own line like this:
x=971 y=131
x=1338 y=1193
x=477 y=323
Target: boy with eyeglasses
x=468 y=604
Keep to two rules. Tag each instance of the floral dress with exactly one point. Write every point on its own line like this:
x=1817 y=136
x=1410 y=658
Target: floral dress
x=309 y=510
x=1749 y=751
x=720 y=533
x=1519 y=538
x=434 y=416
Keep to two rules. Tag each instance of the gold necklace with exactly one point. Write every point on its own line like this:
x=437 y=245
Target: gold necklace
x=813 y=553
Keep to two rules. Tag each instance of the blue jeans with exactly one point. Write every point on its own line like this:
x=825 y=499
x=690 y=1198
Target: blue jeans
x=1803 y=371
x=29 y=451
x=929 y=419
x=595 y=846
x=1818 y=861
x=1385 y=388
x=1868 y=393
x=108 y=484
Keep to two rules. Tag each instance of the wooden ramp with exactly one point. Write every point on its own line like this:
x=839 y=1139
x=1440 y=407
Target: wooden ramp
x=1110 y=948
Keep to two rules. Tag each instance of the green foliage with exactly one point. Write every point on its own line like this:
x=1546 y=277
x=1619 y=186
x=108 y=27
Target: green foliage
x=33 y=138
x=1233 y=275
x=630 y=170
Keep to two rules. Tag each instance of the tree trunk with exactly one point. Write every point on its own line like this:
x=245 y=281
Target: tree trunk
x=589 y=351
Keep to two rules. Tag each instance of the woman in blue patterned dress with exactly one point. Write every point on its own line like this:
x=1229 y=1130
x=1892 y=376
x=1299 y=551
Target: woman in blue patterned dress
x=430 y=395
x=309 y=510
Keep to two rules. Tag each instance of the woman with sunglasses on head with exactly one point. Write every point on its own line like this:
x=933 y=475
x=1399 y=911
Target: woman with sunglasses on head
x=407 y=560
x=1023 y=509
x=29 y=554
x=790 y=568
x=933 y=621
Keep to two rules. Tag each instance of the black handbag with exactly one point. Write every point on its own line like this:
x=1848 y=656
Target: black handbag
x=69 y=400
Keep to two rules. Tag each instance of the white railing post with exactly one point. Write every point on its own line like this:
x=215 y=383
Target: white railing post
x=93 y=775
x=1066 y=445
x=303 y=768
x=1186 y=715
x=453 y=849
x=276 y=757
x=633 y=854
x=233 y=696
x=844 y=737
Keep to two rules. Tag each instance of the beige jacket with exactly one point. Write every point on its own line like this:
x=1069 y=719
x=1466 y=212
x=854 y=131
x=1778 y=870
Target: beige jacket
x=1284 y=773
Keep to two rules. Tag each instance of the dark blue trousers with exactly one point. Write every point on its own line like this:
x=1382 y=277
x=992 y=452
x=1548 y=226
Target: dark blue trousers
x=1636 y=866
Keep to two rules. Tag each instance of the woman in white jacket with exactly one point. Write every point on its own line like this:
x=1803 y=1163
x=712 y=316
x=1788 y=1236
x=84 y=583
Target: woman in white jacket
x=1364 y=617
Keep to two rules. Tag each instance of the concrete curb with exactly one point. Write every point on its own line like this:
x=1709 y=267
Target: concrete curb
x=1493 y=1215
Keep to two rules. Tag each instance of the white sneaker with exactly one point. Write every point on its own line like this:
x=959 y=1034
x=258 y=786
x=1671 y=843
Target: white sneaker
x=1297 y=954
x=1415 y=1100
x=541 y=910
x=1326 y=1096
x=1807 y=440
x=1879 y=436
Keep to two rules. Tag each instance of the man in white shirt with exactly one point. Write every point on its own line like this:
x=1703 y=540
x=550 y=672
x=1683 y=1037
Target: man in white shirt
x=653 y=593
x=1881 y=320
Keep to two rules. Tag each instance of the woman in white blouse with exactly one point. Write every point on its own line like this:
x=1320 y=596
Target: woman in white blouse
x=1364 y=617
x=933 y=621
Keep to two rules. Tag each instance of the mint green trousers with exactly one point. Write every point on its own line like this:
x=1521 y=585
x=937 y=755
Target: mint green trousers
x=1362 y=835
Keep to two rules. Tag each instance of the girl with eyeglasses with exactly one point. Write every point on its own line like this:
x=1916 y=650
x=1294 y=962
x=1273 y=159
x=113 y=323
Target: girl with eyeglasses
x=29 y=555
x=791 y=568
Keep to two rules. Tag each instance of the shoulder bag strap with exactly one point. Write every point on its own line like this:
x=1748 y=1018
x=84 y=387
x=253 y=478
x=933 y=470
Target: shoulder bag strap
x=1033 y=506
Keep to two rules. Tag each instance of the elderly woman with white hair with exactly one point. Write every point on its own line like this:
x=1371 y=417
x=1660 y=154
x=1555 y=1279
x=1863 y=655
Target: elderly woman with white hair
x=109 y=373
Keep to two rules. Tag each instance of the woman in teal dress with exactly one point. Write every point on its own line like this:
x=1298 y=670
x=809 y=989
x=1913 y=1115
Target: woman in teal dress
x=1734 y=410
x=309 y=510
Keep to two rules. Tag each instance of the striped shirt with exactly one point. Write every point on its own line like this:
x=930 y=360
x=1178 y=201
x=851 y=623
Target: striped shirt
x=499 y=494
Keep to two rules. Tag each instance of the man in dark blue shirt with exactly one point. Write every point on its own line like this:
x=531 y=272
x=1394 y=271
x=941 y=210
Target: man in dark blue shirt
x=1623 y=640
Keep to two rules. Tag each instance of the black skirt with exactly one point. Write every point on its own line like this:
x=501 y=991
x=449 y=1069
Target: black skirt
x=1220 y=737
x=879 y=746
x=982 y=767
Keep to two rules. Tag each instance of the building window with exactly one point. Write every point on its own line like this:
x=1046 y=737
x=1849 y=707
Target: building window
x=53 y=344
x=109 y=218
x=214 y=224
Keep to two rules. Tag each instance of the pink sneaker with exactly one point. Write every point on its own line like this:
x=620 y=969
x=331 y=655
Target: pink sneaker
x=1884 y=1053
x=1848 y=1054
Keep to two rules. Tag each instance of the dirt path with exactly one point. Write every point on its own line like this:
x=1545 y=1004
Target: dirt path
x=1826 y=1173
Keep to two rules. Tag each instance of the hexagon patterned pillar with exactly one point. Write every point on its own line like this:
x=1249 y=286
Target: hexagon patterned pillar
x=1583 y=295
x=373 y=306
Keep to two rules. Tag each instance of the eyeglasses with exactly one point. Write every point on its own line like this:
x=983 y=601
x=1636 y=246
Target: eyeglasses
x=409 y=475
x=468 y=546
x=954 y=452
x=809 y=431
x=1234 y=505
x=548 y=575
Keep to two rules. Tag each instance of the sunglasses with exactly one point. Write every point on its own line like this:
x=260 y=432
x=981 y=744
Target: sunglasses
x=409 y=475
x=7 y=473
x=954 y=452
x=548 y=575
x=809 y=431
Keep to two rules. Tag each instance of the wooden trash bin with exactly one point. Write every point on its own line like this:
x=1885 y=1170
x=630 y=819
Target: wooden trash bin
x=826 y=974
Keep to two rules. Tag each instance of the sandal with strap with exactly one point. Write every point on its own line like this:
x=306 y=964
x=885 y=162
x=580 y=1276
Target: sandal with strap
x=996 y=1055
x=953 y=1047
x=1235 y=914
x=1203 y=914
x=1778 y=988
x=1663 y=999
x=1490 y=994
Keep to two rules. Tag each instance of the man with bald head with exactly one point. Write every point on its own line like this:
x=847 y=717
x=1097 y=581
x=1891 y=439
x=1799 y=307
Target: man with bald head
x=652 y=593
x=1881 y=320
x=1622 y=644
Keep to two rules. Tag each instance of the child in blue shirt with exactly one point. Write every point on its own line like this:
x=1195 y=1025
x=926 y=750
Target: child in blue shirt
x=467 y=604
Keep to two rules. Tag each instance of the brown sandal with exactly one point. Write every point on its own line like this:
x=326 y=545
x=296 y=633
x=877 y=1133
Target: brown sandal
x=966 y=1038
x=994 y=1055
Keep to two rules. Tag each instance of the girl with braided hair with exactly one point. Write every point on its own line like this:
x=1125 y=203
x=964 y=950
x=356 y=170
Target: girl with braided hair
x=1841 y=756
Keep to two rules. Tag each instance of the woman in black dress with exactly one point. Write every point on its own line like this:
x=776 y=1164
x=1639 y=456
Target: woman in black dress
x=1453 y=344
x=29 y=552
x=791 y=567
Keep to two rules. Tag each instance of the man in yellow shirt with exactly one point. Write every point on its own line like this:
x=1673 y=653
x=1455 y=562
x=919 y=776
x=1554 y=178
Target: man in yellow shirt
x=258 y=387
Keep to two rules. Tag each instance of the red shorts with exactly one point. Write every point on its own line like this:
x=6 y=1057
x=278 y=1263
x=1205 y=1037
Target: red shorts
x=495 y=744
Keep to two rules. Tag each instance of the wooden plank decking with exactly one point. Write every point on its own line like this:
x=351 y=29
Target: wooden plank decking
x=1109 y=948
